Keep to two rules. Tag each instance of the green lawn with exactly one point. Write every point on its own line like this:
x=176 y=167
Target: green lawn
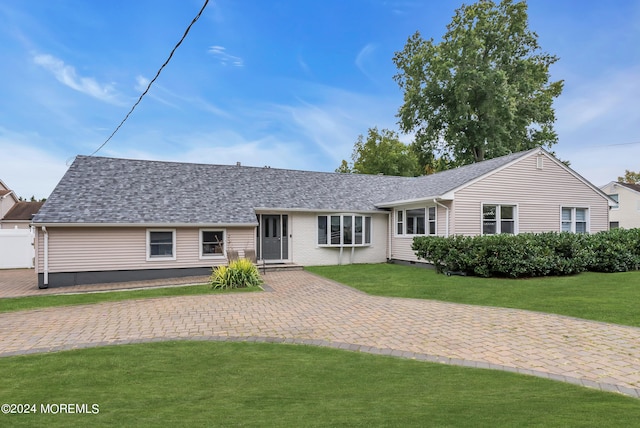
x=608 y=297
x=264 y=385
x=33 y=302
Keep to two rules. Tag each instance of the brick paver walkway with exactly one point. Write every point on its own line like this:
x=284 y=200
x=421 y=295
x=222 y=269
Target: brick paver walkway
x=303 y=308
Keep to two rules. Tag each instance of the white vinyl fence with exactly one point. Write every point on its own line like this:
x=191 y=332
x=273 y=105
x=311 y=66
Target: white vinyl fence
x=16 y=248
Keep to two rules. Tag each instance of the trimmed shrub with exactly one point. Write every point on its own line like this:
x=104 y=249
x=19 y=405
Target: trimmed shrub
x=518 y=256
x=238 y=274
x=616 y=250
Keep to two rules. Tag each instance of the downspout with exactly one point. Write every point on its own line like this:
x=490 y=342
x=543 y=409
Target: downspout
x=446 y=227
x=389 y=234
x=46 y=257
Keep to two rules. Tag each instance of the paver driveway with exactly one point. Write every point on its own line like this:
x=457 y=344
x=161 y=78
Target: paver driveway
x=303 y=308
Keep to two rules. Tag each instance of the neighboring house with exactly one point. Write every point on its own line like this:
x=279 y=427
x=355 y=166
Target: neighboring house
x=626 y=213
x=116 y=219
x=13 y=212
x=16 y=236
x=7 y=200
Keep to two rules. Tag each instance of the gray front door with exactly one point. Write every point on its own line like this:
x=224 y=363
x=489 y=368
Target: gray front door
x=273 y=236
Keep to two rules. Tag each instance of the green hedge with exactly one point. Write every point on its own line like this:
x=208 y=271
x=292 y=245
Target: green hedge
x=529 y=255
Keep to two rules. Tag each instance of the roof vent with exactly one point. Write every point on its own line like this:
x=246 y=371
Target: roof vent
x=238 y=164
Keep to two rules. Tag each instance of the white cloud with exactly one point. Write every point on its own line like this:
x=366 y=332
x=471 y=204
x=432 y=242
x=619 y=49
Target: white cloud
x=224 y=147
x=333 y=120
x=67 y=75
x=27 y=169
x=597 y=119
x=303 y=65
x=602 y=101
x=601 y=165
x=364 y=59
x=225 y=59
x=141 y=83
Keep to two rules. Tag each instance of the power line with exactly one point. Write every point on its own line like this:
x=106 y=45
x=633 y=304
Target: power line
x=615 y=144
x=206 y=2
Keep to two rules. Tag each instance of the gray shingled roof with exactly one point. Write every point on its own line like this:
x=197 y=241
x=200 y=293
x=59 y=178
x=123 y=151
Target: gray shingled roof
x=122 y=191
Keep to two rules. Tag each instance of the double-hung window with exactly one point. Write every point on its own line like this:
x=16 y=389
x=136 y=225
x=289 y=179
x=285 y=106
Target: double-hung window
x=575 y=220
x=416 y=221
x=498 y=219
x=161 y=244
x=344 y=230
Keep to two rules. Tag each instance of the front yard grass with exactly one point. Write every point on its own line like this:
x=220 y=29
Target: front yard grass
x=607 y=297
x=265 y=385
x=35 y=302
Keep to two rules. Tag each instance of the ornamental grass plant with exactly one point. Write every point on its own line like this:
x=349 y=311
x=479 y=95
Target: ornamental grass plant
x=239 y=273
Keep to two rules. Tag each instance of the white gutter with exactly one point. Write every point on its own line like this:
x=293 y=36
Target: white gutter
x=446 y=227
x=146 y=225
x=46 y=256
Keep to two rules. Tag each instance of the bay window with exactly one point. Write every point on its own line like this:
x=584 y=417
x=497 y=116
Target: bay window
x=344 y=230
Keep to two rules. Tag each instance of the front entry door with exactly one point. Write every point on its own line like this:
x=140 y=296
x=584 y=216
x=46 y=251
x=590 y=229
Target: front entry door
x=273 y=236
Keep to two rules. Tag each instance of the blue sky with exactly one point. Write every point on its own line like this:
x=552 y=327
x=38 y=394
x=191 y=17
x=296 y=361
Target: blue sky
x=289 y=84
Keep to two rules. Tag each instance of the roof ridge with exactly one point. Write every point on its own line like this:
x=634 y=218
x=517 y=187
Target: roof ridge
x=84 y=157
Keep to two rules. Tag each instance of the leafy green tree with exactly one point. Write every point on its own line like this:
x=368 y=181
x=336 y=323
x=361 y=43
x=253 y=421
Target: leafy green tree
x=483 y=91
x=381 y=153
x=630 y=177
x=344 y=168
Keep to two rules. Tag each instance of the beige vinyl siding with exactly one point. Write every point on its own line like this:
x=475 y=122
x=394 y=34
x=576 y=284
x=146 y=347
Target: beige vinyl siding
x=538 y=194
x=14 y=225
x=241 y=239
x=75 y=249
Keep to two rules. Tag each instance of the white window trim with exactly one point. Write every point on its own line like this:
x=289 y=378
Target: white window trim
x=404 y=233
x=615 y=207
x=224 y=244
x=573 y=218
x=353 y=224
x=516 y=222
x=161 y=258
